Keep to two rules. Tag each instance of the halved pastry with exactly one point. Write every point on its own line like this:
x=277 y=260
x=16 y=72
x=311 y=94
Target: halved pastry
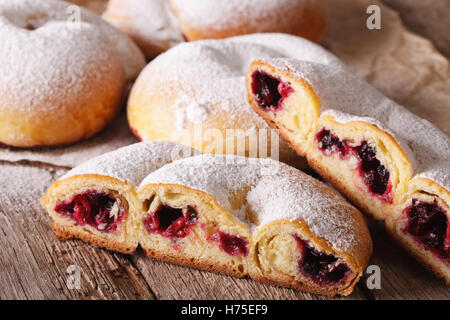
x=421 y=223
x=97 y=202
x=256 y=217
x=347 y=130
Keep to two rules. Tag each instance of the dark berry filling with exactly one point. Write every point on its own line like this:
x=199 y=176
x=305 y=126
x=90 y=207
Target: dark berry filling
x=97 y=209
x=269 y=92
x=171 y=222
x=136 y=134
x=231 y=244
x=321 y=268
x=328 y=142
x=374 y=174
x=428 y=224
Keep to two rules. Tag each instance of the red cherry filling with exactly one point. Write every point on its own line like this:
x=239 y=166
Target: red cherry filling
x=97 y=209
x=269 y=92
x=321 y=268
x=136 y=134
x=328 y=142
x=374 y=174
x=231 y=244
x=428 y=224
x=171 y=222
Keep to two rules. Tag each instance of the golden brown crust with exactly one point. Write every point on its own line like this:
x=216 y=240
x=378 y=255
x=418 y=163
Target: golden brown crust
x=307 y=19
x=70 y=232
x=303 y=286
x=67 y=112
x=188 y=262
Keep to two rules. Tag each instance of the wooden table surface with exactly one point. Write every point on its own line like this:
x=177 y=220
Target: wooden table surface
x=34 y=265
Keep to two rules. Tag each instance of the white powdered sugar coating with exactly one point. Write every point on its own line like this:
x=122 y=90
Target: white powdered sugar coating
x=195 y=112
x=274 y=191
x=32 y=75
x=151 y=20
x=213 y=71
x=220 y=14
x=133 y=163
x=348 y=98
x=55 y=33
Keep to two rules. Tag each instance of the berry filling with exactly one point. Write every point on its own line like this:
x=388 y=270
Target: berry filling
x=231 y=244
x=428 y=224
x=321 y=268
x=171 y=222
x=374 y=174
x=97 y=209
x=136 y=134
x=269 y=92
x=329 y=143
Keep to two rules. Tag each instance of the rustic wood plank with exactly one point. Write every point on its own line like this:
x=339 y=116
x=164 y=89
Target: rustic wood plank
x=34 y=263
x=169 y=281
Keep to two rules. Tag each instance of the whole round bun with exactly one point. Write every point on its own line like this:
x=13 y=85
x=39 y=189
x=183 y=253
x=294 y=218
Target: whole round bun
x=150 y=23
x=157 y=25
x=201 y=85
x=217 y=19
x=60 y=80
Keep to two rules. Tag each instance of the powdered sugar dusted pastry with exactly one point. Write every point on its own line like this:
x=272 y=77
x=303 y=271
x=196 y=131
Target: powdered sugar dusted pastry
x=61 y=81
x=421 y=222
x=150 y=23
x=388 y=161
x=97 y=202
x=195 y=94
x=255 y=217
x=217 y=19
x=157 y=25
x=358 y=154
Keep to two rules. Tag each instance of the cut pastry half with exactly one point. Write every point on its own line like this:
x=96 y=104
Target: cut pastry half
x=329 y=116
x=362 y=161
x=421 y=224
x=254 y=217
x=96 y=201
x=186 y=226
